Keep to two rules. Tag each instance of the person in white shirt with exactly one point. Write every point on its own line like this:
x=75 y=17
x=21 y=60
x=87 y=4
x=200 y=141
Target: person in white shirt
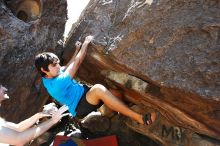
x=23 y=132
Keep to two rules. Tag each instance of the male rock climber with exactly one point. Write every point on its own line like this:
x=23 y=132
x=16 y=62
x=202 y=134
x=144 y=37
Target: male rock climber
x=81 y=100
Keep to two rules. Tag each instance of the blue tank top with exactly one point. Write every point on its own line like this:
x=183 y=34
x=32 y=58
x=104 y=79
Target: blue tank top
x=65 y=90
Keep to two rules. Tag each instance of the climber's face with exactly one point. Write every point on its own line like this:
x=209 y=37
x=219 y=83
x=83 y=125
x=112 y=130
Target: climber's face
x=53 y=70
x=3 y=93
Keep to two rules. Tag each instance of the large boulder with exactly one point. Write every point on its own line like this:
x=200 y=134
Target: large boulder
x=160 y=54
x=27 y=27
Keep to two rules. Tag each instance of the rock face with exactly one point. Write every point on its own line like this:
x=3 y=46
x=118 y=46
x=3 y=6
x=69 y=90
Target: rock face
x=160 y=54
x=39 y=28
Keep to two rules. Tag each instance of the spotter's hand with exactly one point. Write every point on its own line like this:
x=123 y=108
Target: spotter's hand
x=59 y=114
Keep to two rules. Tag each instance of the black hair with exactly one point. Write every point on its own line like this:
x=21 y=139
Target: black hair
x=43 y=60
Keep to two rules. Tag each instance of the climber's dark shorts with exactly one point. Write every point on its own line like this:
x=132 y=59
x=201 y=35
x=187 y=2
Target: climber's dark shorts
x=84 y=108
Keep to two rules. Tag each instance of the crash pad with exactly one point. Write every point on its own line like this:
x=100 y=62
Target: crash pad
x=101 y=141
